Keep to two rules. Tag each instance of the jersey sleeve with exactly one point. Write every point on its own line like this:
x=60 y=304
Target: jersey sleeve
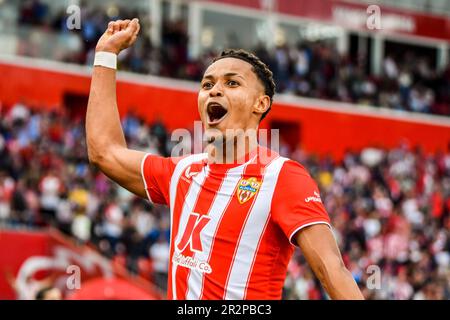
x=156 y=173
x=296 y=202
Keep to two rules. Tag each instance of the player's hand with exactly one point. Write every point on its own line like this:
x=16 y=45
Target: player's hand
x=120 y=35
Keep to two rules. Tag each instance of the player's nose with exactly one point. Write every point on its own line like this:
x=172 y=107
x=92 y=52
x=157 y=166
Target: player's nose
x=216 y=91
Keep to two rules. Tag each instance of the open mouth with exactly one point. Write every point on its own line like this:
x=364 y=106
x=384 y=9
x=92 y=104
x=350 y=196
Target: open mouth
x=216 y=113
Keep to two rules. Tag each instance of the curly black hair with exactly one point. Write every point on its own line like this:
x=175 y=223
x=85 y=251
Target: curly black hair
x=259 y=68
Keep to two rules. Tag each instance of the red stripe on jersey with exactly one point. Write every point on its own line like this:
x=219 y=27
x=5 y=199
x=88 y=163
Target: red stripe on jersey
x=204 y=202
x=274 y=253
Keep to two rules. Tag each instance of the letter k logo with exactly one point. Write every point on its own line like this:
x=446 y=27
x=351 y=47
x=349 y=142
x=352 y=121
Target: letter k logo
x=191 y=235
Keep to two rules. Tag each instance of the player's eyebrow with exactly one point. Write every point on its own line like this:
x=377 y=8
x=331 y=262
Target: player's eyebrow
x=226 y=75
x=232 y=74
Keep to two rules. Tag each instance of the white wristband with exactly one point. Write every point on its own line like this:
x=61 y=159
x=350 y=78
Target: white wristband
x=105 y=59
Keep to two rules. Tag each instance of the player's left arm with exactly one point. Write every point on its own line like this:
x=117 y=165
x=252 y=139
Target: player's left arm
x=320 y=249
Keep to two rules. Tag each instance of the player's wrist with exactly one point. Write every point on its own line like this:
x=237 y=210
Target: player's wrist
x=105 y=59
x=102 y=47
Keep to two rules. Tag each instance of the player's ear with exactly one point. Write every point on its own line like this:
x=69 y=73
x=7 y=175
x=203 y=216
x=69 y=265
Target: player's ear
x=262 y=105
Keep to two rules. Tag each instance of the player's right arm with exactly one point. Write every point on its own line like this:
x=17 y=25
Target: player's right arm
x=106 y=145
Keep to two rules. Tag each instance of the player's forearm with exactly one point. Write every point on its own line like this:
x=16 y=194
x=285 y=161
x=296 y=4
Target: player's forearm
x=103 y=127
x=340 y=284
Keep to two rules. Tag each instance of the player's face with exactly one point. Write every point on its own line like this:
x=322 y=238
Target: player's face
x=231 y=96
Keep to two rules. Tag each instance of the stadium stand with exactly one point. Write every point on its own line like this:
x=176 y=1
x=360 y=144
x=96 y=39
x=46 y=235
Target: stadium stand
x=310 y=69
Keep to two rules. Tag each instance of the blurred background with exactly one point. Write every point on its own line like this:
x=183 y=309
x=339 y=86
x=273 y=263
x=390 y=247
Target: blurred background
x=363 y=101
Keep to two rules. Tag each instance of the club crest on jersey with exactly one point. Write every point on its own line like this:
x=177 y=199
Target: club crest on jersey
x=247 y=189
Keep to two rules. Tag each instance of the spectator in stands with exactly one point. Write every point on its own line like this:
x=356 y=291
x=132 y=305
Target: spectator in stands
x=159 y=253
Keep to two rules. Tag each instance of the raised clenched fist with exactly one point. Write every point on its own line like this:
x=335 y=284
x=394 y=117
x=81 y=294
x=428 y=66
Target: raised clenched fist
x=120 y=35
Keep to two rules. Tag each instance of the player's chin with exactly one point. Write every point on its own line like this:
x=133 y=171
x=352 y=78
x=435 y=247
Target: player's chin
x=222 y=126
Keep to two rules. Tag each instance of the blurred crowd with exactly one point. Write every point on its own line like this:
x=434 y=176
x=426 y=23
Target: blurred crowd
x=390 y=209
x=311 y=69
x=46 y=180
x=317 y=70
x=170 y=59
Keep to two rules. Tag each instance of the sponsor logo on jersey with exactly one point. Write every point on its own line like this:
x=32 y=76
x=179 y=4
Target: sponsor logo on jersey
x=192 y=232
x=189 y=175
x=191 y=239
x=191 y=263
x=315 y=198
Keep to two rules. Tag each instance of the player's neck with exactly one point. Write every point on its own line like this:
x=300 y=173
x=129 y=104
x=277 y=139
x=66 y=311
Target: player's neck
x=237 y=150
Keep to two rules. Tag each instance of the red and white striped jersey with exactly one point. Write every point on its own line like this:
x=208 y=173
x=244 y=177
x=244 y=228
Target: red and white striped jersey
x=232 y=225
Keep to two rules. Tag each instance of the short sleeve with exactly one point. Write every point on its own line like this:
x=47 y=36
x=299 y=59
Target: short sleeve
x=296 y=202
x=156 y=173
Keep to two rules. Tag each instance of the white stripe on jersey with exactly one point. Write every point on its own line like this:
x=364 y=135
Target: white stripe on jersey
x=218 y=208
x=179 y=169
x=191 y=197
x=251 y=234
x=143 y=177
